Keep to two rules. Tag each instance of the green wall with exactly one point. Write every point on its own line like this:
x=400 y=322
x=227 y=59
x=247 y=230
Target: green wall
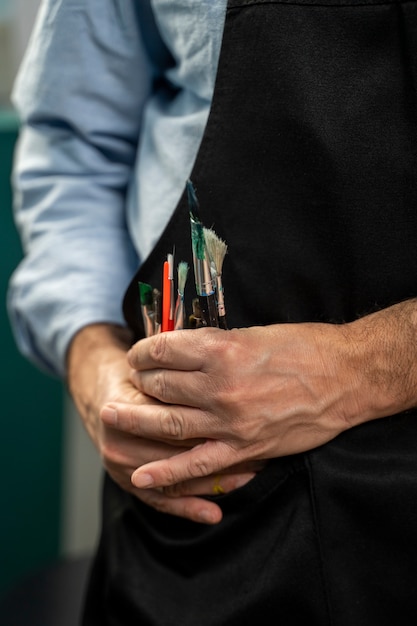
x=30 y=421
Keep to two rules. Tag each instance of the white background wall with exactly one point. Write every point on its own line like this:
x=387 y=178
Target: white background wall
x=82 y=467
x=16 y=22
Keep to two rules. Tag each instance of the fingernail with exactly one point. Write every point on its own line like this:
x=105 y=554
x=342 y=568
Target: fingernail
x=206 y=517
x=109 y=415
x=241 y=481
x=141 y=481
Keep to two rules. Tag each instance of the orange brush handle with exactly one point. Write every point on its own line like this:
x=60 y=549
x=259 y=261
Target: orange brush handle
x=166 y=298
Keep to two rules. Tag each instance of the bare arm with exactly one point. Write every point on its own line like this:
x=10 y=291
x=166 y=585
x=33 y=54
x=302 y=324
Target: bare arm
x=264 y=392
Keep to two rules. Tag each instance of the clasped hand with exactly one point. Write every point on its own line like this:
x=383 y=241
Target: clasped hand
x=242 y=396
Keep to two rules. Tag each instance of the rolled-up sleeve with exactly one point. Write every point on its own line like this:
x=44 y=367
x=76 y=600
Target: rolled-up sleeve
x=80 y=95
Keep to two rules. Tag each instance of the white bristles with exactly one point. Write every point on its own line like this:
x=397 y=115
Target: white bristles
x=182 y=277
x=216 y=249
x=182 y=270
x=170 y=259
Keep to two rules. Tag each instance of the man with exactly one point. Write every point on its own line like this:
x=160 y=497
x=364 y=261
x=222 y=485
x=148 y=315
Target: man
x=299 y=136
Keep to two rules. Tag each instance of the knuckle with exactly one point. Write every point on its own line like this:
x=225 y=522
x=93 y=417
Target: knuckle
x=228 y=346
x=217 y=343
x=160 y=384
x=159 y=349
x=171 y=425
x=170 y=477
x=199 y=468
x=132 y=420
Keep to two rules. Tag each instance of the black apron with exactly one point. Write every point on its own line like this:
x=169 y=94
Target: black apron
x=308 y=170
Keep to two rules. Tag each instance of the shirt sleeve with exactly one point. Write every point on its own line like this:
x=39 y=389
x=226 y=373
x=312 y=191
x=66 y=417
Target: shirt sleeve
x=80 y=94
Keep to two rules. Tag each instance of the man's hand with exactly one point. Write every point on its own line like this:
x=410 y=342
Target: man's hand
x=98 y=373
x=265 y=392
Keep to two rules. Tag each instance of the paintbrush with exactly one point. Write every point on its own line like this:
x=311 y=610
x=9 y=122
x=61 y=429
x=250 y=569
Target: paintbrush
x=168 y=298
x=171 y=317
x=202 y=274
x=179 y=306
x=217 y=249
x=157 y=307
x=146 y=303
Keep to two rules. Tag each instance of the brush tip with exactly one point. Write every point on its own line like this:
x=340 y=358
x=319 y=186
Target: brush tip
x=170 y=259
x=216 y=248
x=183 y=268
x=145 y=292
x=193 y=203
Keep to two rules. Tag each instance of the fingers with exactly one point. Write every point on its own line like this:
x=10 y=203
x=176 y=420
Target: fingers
x=160 y=422
x=175 y=386
x=176 y=350
x=209 y=486
x=192 y=508
x=121 y=455
x=179 y=499
x=199 y=462
x=184 y=367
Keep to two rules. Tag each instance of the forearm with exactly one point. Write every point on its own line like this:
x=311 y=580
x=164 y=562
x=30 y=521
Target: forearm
x=382 y=349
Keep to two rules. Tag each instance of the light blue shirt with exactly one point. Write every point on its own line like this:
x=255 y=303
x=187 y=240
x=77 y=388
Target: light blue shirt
x=103 y=155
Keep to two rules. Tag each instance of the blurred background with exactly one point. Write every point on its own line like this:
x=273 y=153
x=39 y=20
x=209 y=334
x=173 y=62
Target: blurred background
x=49 y=471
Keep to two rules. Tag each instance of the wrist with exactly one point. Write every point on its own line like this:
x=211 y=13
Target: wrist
x=94 y=354
x=94 y=341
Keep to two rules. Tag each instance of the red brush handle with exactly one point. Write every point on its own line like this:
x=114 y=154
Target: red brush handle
x=166 y=298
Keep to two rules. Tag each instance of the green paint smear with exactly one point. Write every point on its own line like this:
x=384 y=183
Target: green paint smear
x=197 y=239
x=145 y=291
